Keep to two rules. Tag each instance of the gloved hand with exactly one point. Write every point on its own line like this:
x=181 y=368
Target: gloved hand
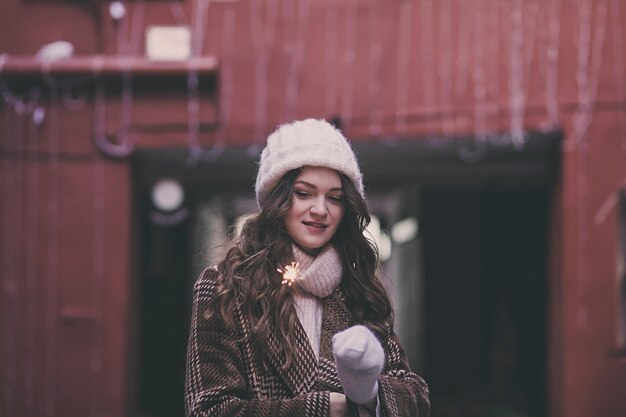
x=359 y=359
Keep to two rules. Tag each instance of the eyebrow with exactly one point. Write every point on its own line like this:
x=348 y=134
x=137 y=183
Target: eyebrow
x=308 y=184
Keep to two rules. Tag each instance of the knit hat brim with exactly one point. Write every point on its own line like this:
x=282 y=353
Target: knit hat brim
x=309 y=142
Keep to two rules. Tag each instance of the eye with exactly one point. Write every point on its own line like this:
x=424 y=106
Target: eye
x=336 y=198
x=301 y=193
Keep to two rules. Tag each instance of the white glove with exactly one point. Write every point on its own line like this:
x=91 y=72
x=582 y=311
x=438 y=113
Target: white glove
x=359 y=359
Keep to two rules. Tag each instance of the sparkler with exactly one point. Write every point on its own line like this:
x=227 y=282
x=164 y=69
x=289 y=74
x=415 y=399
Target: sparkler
x=291 y=274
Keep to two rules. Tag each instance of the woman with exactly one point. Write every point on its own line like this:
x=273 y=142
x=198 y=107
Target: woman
x=294 y=321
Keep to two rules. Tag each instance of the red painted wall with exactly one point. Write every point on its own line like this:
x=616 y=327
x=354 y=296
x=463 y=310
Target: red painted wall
x=361 y=60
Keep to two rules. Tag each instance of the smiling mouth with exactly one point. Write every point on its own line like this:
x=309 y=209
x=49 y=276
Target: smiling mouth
x=316 y=225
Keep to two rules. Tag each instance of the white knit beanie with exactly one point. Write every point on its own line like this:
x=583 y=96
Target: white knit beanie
x=302 y=143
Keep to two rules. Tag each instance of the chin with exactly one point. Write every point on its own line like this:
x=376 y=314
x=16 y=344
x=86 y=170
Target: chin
x=311 y=247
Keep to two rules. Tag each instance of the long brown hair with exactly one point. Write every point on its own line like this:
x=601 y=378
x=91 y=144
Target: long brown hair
x=249 y=279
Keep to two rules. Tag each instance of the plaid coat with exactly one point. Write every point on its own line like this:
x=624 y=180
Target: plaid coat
x=225 y=379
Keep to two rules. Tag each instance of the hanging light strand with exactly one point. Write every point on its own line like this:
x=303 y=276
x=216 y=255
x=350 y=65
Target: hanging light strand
x=129 y=34
x=13 y=222
x=589 y=64
x=123 y=146
x=478 y=74
x=97 y=288
x=476 y=149
x=298 y=50
x=177 y=12
x=21 y=106
x=193 y=118
x=331 y=55
x=31 y=295
x=263 y=34
x=463 y=50
x=587 y=76
x=375 y=56
x=52 y=289
x=349 y=59
x=427 y=58
x=517 y=94
x=552 y=64
x=619 y=73
x=493 y=17
x=227 y=86
x=405 y=29
x=446 y=86
x=530 y=18
x=493 y=41
x=8 y=257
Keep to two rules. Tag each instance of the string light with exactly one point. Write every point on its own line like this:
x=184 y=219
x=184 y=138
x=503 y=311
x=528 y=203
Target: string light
x=200 y=14
x=552 y=67
x=427 y=55
x=262 y=41
x=530 y=35
x=97 y=287
x=226 y=90
x=589 y=64
x=375 y=55
x=331 y=58
x=463 y=51
x=71 y=102
x=478 y=75
x=493 y=41
x=349 y=58
x=123 y=146
x=618 y=60
x=32 y=243
x=13 y=221
x=19 y=105
x=475 y=150
x=129 y=34
x=297 y=49
x=428 y=59
x=405 y=18
x=445 y=69
x=7 y=258
x=53 y=213
x=193 y=118
x=178 y=12
x=587 y=77
x=492 y=72
x=517 y=97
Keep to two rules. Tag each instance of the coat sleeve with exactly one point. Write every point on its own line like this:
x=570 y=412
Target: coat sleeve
x=402 y=393
x=216 y=382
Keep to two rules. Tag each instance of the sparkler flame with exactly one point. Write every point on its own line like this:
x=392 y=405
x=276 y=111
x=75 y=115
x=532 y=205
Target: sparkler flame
x=291 y=274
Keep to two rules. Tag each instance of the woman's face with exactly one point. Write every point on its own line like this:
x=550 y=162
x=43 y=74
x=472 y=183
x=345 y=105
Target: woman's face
x=317 y=208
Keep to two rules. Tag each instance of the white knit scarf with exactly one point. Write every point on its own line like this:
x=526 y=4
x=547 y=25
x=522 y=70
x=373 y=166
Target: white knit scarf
x=320 y=274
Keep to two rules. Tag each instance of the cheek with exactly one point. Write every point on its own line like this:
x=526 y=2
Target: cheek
x=337 y=213
x=294 y=213
x=288 y=219
x=297 y=208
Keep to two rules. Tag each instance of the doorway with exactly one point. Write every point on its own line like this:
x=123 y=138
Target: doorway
x=485 y=332
x=469 y=281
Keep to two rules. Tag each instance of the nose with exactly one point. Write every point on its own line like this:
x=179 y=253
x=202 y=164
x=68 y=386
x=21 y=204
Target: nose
x=319 y=207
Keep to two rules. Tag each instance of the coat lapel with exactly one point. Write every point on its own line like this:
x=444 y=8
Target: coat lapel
x=300 y=376
x=336 y=318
